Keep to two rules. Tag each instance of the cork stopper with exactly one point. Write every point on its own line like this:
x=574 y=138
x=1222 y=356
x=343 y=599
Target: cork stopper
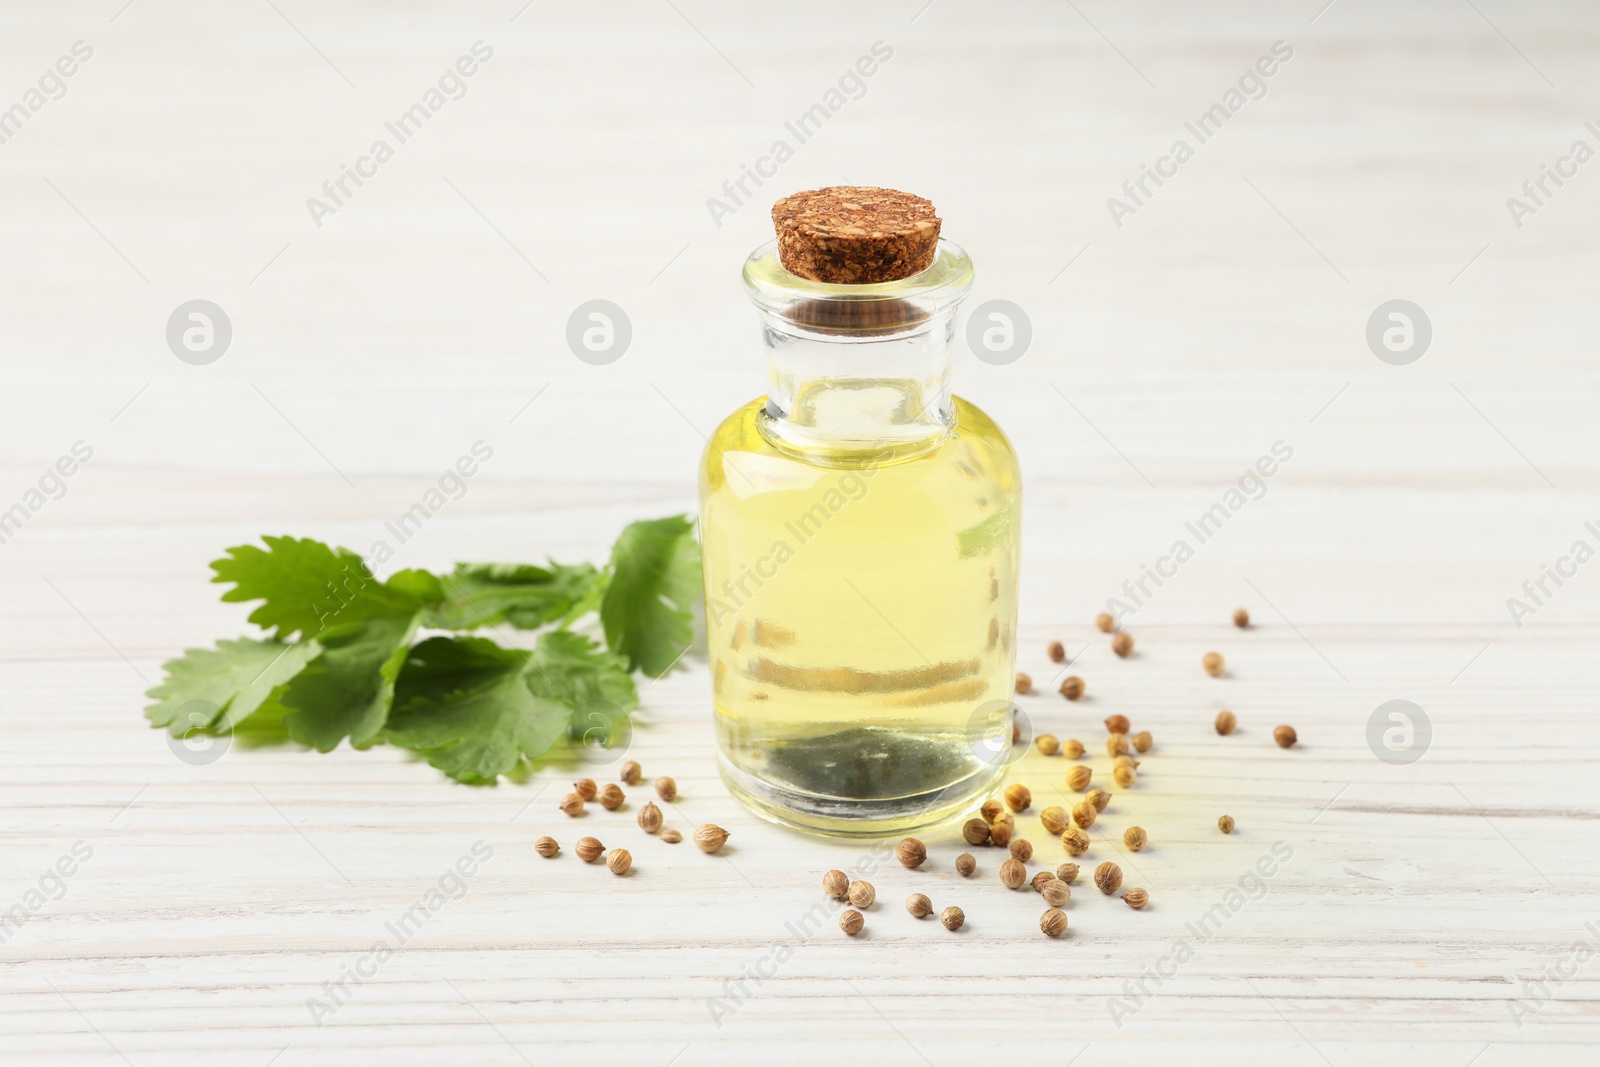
x=855 y=235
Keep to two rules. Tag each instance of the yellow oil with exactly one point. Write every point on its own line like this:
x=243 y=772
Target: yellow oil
x=861 y=611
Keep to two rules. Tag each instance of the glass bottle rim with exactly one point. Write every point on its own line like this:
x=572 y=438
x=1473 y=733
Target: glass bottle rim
x=946 y=280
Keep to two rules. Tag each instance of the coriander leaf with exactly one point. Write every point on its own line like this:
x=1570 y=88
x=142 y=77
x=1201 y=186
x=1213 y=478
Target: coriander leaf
x=308 y=586
x=594 y=683
x=465 y=704
x=655 y=579
x=524 y=595
x=347 y=690
x=219 y=688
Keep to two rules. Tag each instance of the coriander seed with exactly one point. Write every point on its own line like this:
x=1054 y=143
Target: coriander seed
x=1105 y=623
x=851 y=922
x=1136 y=898
x=571 y=804
x=710 y=837
x=911 y=853
x=1078 y=778
x=1124 y=760
x=1213 y=663
x=1117 y=724
x=1056 y=653
x=1142 y=741
x=1134 y=837
x=649 y=818
x=966 y=864
x=836 y=885
x=862 y=894
x=666 y=789
x=1285 y=736
x=1124 y=775
x=1053 y=922
x=1075 y=841
x=1038 y=880
x=1226 y=721
x=1073 y=749
x=546 y=847
x=1000 y=833
x=1013 y=874
x=1108 y=877
x=1054 y=818
x=1117 y=745
x=952 y=918
x=1122 y=644
x=611 y=796
x=1024 y=683
x=588 y=849
x=1072 y=687
x=671 y=836
x=630 y=773
x=1067 y=872
x=1241 y=618
x=991 y=810
x=919 y=906
x=1225 y=824
x=1055 y=891
x=1084 y=814
x=1047 y=744
x=1018 y=797
x=976 y=832
x=1099 y=798
x=619 y=861
x=585 y=788
x=1022 y=849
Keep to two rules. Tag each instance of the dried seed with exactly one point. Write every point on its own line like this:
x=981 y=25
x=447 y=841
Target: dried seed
x=1099 y=798
x=1105 y=623
x=1056 y=653
x=1285 y=736
x=1054 y=818
x=976 y=832
x=1038 y=880
x=1022 y=849
x=1016 y=734
x=649 y=818
x=851 y=922
x=1117 y=745
x=1047 y=744
x=1073 y=749
x=1226 y=824
x=1134 y=837
x=630 y=773
x=710 y=837
x=919 y=905
x=1053 y=922
x=1124 y=760
x=585 y=788
x=952 y=918
x=1024 y=683
x=1122 y=644
x=670 y=836
x=611 y=796
x=1078 y=778
x=619 y=861
x=588 y=849
x=1108 y=877
x=1142 y=741
x=1136 y=898
x=1124 y=775
x=1018 y=797
x=1213 y=663
x=1013 y=874
x=1072 y=687
x=991 y=810
x=1084 y=814
x=546 y=847
x=1117 y=724
x=862 y=894
x=836 y=885
x=965 y=865
x=666 y=789
x=1241 y=618
x=1075 y=841
x=1055 y=892
x=1067 y=872
x=1000 y=833
x=1226 y=721
x=571 y=804
x=911 y=852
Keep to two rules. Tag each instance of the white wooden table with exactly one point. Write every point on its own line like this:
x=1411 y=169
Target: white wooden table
x=1228 y=312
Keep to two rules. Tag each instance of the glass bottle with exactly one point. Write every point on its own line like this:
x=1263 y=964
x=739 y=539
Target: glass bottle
x=859 y=531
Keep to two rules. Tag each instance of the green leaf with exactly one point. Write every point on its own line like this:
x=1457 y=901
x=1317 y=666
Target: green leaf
x=655 y=579
x=348 y=689
x=524 y=595
x=594 y=683
x=980 y=539
x=465 y=704
x=219 y=688
x=308 y=586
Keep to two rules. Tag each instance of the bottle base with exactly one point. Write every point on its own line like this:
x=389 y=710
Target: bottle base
x=839 y=817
